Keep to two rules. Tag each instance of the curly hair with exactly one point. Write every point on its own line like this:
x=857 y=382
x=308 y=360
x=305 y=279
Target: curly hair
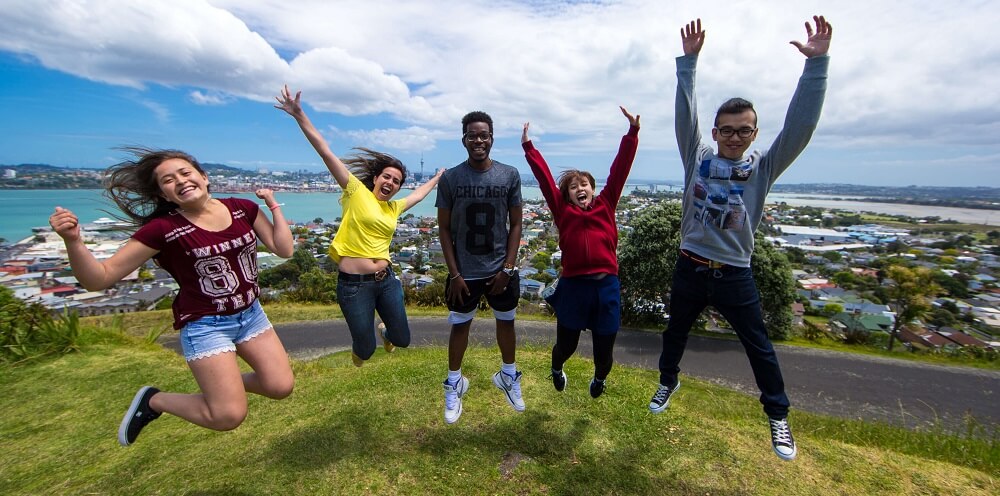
x=476 y=116
x=133 y=187
x=369 y=164
x=567 y=178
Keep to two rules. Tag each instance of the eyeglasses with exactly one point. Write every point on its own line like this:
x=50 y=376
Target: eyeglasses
x=484 y=137
x=743 y=132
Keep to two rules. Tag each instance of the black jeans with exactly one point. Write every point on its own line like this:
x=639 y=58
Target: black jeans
x=567 y=340
x=733 y=292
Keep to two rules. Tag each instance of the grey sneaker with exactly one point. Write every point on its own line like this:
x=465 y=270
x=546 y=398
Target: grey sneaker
x=453 y=399
x=781 y=439
x=137 y=416
x=511 y=386
x=661 y=399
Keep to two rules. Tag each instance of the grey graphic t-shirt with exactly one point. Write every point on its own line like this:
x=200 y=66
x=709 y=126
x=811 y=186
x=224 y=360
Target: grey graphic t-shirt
x=480 y=202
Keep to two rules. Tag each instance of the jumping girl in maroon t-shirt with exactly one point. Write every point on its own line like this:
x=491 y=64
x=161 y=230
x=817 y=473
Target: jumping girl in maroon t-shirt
x=209 y=246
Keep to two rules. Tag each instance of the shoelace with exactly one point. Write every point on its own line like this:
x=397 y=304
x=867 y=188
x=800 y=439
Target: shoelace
x=515 y=384
x=780 y=433
x=450 y=398
x=661 y=394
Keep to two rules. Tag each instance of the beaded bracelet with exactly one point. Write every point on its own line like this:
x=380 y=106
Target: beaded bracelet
x=456 y=276
x=276 y=206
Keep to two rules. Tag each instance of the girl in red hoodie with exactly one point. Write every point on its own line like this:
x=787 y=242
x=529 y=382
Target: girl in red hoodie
x=588 y=295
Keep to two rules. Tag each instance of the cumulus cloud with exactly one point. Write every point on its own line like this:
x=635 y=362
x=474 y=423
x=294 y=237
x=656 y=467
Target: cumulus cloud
x=901 y=70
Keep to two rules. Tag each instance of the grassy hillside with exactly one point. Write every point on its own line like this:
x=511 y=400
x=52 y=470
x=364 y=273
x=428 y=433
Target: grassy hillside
x=379 y=430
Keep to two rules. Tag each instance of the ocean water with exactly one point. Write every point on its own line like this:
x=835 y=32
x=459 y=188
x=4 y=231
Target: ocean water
x=24 y=209
x=21 y=210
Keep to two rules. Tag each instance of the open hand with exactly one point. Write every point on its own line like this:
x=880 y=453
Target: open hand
x=817 y=43
x=287 y=103
x=632 y=121
x=692 y=38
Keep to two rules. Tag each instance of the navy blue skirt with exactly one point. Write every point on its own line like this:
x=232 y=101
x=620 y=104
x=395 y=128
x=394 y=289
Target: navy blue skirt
x=583 y=302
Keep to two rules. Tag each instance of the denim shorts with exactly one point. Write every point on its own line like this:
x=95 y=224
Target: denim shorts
x=214 y=334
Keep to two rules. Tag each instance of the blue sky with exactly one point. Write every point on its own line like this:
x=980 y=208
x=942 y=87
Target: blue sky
x=912 y=92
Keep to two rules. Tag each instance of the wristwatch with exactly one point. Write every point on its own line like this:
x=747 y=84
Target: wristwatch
x=509 y=269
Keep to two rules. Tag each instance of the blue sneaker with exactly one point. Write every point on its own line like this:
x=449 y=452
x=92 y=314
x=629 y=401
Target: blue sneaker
x=781 y=439
x=596 y=387
x=558 y=379
x=661 y=399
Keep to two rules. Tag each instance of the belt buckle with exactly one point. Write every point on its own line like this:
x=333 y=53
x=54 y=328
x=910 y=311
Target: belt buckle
x=712 y=264
x=379 y=275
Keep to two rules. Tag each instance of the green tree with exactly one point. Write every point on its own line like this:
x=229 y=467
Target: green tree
x=646 y=259
x=314 y=286
x=908 y=294
x=647 y=256
x=773 y=275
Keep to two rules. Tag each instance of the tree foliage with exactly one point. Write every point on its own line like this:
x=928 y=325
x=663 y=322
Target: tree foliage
x=647 y=256
x=646 y=259
x=773 y=275
x=908 y=293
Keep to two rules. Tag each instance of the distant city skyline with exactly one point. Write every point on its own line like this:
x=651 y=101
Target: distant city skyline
x=911 y=100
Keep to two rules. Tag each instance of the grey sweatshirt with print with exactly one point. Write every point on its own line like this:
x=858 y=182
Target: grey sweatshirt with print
x=724 y=199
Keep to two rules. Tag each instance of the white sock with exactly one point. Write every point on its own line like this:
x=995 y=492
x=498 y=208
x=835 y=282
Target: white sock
x=454 y=376
x=509 y=368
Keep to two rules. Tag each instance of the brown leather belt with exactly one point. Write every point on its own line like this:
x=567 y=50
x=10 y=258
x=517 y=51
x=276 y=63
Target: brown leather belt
x=712 y=264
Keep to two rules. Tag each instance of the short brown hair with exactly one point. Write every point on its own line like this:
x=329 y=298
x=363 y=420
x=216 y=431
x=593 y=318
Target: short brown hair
x=569 y=176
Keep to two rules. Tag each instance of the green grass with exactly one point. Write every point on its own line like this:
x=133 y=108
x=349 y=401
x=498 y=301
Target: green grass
x=379 y=430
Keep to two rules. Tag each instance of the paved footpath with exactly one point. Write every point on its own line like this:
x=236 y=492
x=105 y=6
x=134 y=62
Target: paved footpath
x=832 y=383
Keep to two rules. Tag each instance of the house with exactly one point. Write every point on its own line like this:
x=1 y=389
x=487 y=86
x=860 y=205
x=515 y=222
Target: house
x=531 y=288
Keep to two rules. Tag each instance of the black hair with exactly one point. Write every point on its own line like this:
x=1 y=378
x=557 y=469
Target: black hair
x=476 y=116
x=735 y=106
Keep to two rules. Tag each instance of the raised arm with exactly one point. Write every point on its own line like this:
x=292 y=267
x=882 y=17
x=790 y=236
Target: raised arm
x=542 y=174
x=422 y=191
x=294 y=108
x=276 y=237
x=622 y=165
x=93 y=274
x=804 y=110
x=685 y=107
x=817 y=43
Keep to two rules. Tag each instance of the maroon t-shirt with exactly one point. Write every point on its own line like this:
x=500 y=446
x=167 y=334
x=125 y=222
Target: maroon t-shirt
x=217 y=271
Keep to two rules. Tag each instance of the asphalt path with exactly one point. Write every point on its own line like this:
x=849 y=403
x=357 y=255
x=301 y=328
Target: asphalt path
x=911 y=394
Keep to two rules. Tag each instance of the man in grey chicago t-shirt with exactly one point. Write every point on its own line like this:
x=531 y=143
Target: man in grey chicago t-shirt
x=479 y=224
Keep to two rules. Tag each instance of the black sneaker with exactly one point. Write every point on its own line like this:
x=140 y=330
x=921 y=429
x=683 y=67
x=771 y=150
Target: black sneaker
x=661 y=400
x=596 y=387
x=558 y=379
x=138 y=415
x=781 y=439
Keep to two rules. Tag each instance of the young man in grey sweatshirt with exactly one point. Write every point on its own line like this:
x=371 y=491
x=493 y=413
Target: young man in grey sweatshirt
x=723 y=203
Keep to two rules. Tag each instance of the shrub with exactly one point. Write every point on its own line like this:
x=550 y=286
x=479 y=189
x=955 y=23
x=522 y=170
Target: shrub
x=28 y=330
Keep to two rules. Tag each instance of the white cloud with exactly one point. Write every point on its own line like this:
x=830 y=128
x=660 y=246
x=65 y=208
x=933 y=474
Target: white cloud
x=900 y=70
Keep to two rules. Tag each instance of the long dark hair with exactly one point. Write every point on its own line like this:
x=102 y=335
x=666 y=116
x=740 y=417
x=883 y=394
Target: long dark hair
x=367 y=164
x=132 y=184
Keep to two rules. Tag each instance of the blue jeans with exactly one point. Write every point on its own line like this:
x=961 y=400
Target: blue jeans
x=733 y=292
x=360 y=300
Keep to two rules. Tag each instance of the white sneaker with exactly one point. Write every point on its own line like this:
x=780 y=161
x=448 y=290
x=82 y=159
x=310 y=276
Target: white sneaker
x=453 y=399
x=511 y=386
